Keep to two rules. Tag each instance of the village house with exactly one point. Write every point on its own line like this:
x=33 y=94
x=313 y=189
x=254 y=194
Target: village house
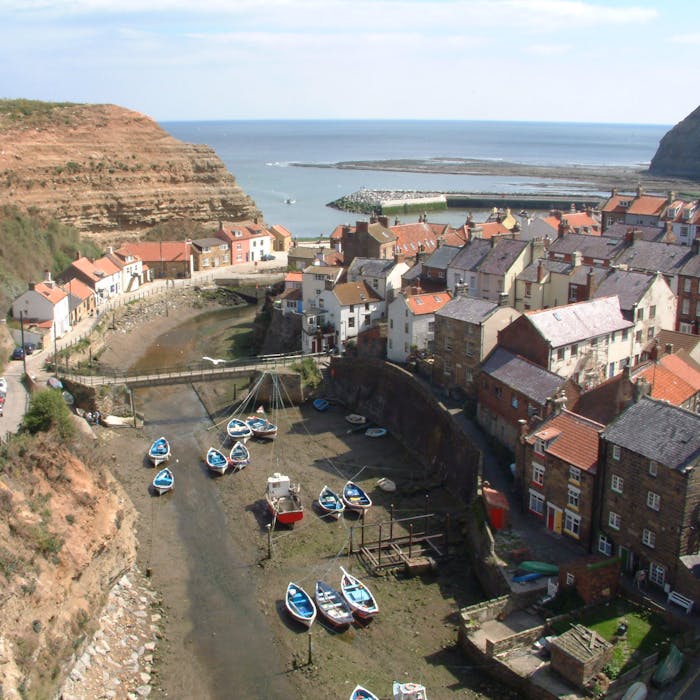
x=384 y=276
x=318 y=333
x=369 y=240
x=246 y=241
x=556 y=471
x=210 y=253
x=659 y=233
x=45 y=307
x=598 y=251
x=512 y=390
x=637 y=209
x=646 y=300
x=103 y=276
x=651 y=489
x=688 y=309
x=559 y=223
x=683 y=218
x=290 y=301
x=463 y=268
x=160 y=259
x=673 y=378
x=281 y=238
x=466 y=331
x=131 y=268
x=81 y=300
x=433 y=274
x=587 y=341
x=411 y=317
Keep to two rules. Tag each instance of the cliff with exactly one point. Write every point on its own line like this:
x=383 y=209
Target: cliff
x=678 y=154
x=66 y=534
x=105 y=169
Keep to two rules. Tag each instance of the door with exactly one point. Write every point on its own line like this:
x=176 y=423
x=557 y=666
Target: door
x=627 y=558
x=554 y=518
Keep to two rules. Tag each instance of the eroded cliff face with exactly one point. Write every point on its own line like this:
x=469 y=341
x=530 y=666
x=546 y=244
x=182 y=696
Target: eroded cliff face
x=105 y=169
x=678 y=154
x=66 y=534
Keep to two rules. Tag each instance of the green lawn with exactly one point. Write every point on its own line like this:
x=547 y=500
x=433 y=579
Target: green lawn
x=646 y=632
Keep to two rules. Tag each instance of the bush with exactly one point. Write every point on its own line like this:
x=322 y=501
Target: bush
x=48 y=410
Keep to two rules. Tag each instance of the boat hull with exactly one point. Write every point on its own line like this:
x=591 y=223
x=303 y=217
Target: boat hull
x=159 y=451
x=300 y=605
x=539 y=567
x=217 y=461
x=360 y=693
x=163 y=481
x=330 y=503
x=355 y=498
x=331 y=606
x=358 y=597
x=285 y=513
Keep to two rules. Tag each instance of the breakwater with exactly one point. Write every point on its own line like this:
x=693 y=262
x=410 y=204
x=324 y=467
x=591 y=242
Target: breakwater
x=367 y=201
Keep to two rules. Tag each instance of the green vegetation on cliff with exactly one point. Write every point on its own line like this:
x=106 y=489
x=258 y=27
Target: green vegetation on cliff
x=30 y=244
x=30 y=113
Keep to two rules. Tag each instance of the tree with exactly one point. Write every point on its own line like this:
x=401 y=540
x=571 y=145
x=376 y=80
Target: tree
x=48 y=410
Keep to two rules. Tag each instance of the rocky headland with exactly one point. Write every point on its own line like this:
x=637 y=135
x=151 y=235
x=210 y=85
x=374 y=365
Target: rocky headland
x=678 y=154
x=108 y=170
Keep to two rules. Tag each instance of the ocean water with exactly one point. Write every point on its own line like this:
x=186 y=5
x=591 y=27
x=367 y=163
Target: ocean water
x=260 y=154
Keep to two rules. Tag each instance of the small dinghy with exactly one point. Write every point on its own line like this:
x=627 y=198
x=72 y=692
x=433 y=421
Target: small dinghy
x=539 y=567
x=409 y=691
x=330 y=502
x=386 y=485
x=355 y=498
x=239 y=456
x=375 y=432
x=321 y=404
x=238 y=429
x=355 y=419
x=332 y=606
x=163 y=481
x=261 y=427
x=361 y=693
x=159 y=451
x=358 y=596
x=300 y=604
x=216 y=461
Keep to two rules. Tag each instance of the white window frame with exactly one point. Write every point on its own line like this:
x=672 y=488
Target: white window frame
x=649 y=538
x=572 y=524
x=614 y=520
x=657 y=573
x=538 y=471
x=616 y=452
x=653 y=467
x=605 y=546
x=574 y=475
x=654 y=501
x=570 y=579
x=617 y=483
x=573 y=497
x=536 y=500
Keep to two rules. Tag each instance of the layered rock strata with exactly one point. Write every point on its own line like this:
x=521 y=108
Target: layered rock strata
x=678 y=154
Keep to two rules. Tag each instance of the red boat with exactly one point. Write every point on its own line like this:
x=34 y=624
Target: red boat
x=283 y=500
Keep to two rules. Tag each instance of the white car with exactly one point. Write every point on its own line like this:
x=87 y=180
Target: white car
x=3 y=385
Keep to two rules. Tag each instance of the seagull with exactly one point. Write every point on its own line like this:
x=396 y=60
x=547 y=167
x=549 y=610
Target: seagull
x=213 y=360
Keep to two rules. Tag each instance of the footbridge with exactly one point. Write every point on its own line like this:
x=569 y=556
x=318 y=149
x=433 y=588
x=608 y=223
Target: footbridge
x=207 y=369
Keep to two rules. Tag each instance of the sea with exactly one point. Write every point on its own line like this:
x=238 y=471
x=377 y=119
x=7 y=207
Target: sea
x=261 y=155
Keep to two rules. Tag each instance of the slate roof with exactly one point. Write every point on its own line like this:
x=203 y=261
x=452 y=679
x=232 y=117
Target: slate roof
x=629 y=286
x=691 y=268
x=659 y=431
x=471 y=255
x=646 y=233
x=371 y=267
x=502 y=256
x=572 y=438
x=581 y=272
x=600 y=247
x=441 y=257
x=521 y=375
x=529 y=274
x=655 y=257
x=209 y=242
x=581 y=643
x=468 y=309
x=380 y=233
x=685 y=341
x=413 y=273
x=563 y=325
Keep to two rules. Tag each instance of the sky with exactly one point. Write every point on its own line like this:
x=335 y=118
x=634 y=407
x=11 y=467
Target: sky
x=615 y=61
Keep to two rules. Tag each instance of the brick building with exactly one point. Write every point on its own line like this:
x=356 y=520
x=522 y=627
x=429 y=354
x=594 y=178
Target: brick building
x=688 y=318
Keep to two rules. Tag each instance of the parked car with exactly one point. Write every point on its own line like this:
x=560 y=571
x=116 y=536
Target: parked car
x=18 y=353
x=3 y=386
x=269 y=256
x=29 y=348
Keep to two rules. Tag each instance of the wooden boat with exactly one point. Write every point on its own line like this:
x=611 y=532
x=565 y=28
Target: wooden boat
x=331 y=605
x=361 y=693
x=300 y=604
x=355 y=419
x=539 y=567
x=386 y=484
x=355 y=498
x=321 y=404
x=239 y=456
x=358 y=596
x=159 y=451
x=330 y=502
x=527 y=576
x=409 y=691
x=376 y=432
x=637 y=691
x=261 y=427
x=164 y=481
x=217 y=461
x=238 y=429
x=283 y=499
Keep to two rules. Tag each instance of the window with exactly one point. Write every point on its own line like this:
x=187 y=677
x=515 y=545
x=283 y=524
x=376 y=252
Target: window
x=537 y=474
x=560 y=354
x=575 y=475
x=514 y=401
x=640 y=314
x=616 y=452
x=448 y=345
x=572 y=524
x=614 y=520
x=616 y=483
x=685 y=306
x=351 y=322
x=570 y=578
x=652 y=312
x=405 y=327
x=539 y=446
x=625 y=333
x=391 y=323
x=650 y=333
x=653 y=500
x=470 y=349
x=574 y=350
x=653 y=468
x=649 y=538
x=528 y=289
x=638 y=337
x=686 y=284
x=657 y=574
x=536 y=503
x=573 y=496
x=604 y=545
x=497 y=392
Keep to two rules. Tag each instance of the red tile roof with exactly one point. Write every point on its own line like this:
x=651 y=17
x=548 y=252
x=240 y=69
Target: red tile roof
x=349 y=293
x=427 y=303
x=281 y=230
x=686 y=371
x=574 y=439
x=167 y=251
x=77 y=288
x=666 y=385
x=53 y=293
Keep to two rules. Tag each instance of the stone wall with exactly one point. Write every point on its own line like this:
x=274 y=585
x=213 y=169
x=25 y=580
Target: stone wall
x=520 y=639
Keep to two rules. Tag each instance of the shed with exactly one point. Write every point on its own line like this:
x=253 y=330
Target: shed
x=579 y=654
x=496 y=505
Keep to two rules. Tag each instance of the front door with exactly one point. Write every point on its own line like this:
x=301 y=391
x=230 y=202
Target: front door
x=554 y=518
x=627 y=558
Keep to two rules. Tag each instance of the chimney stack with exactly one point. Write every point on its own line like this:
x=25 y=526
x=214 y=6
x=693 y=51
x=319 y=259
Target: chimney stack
x=540 y=270
x=384 y=221
x=503 y=299
x=668 y=348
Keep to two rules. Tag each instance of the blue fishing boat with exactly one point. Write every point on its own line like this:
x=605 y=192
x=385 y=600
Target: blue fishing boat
x=261 y=427
x=330 y=502
x=527 y=576
x=216 y=461
x=358 y=596
x=355 y=498
x=164 y=481
x=375 y=432
x=360 y=693
x=239 y=456
x=300 y=604
x=238 y=429
x=321 y=405
x=159 y=451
